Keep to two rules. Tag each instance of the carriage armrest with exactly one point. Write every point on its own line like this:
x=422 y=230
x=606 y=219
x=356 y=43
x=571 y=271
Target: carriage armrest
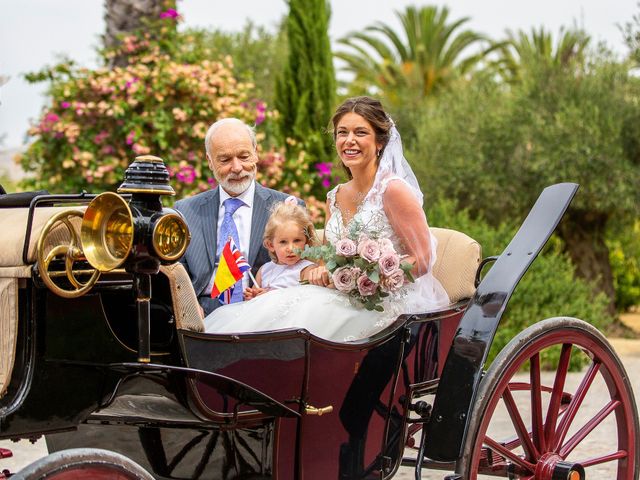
x=457 y=260
x=186 y=308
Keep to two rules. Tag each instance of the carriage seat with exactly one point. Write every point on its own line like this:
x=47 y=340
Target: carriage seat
x=14 y=229
x=13 y=270
x=458 y=257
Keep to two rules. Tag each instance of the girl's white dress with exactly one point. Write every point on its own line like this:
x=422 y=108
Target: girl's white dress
x=328 y=313
x=275 y=275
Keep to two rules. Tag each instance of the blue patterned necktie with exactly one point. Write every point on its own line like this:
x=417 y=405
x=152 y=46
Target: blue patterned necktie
x=229 y=229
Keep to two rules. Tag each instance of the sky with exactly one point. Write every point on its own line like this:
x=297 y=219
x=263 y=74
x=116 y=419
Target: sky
x=34 y=33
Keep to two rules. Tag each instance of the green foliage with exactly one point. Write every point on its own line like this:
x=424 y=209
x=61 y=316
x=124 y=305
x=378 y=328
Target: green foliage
x=631 y=32
x=426 y=56
x=258 y=55
x=305 y=92
x=624 y=253
x=548 y=289
x=494 y=148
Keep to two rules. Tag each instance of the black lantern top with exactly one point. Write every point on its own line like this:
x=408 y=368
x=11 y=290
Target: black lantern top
x=147 y=174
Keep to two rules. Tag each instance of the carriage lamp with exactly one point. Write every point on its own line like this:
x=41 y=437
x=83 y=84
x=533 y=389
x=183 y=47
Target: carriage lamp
x=140 y=234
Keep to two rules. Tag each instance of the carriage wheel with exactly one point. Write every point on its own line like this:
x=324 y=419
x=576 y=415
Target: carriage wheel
x=85 y=464
x=530 y=423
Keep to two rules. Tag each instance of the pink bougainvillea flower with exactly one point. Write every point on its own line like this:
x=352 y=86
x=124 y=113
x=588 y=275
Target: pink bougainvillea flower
x=326 y=183
x=65 y=104
x=100 y=137
x=51 y=117
x=131 y=137
x=170 y=13
x=260 y=118
x=323 y=168
x=186 y=174
x=212 y=182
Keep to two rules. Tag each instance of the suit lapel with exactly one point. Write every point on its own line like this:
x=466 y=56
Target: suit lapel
x=258 y=221
x=209 y=217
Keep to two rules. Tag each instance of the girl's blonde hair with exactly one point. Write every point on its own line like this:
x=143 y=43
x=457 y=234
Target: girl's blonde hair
x=289 y=211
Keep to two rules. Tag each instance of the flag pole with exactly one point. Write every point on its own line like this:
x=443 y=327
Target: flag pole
x=255 y=282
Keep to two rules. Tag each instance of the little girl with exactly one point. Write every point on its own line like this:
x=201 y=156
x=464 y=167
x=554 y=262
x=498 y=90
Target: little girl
x=288 y=230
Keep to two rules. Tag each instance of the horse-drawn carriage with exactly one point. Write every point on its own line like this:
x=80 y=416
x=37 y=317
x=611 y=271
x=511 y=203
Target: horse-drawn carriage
x=102 y=351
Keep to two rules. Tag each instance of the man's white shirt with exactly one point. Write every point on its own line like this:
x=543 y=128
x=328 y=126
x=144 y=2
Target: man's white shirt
x=242 y=219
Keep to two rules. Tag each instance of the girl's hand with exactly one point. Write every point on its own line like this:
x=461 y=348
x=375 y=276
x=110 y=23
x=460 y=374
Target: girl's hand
x=318 y=276
x=253 y=292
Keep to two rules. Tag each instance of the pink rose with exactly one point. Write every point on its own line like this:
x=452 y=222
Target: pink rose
x=366 y=287
x=388 y=262
x=346 y=247
x=386 y=246
x=344 y=278
x=393 y=282
x=369 y=250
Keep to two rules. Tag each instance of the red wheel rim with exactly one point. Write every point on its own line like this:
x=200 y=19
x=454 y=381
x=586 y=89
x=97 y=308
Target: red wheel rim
x=93 y=472
x=551 y=430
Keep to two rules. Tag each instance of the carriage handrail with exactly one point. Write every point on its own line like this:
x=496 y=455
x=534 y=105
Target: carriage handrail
x=463 y=368
x=245 y=394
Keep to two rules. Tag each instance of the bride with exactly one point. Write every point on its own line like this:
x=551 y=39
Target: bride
x=383 y=197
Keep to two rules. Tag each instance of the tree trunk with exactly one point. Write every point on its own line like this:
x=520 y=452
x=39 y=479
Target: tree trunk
x=583 y=234
x=123 y=17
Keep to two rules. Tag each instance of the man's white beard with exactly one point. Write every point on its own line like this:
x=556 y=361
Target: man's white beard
x=236 y=188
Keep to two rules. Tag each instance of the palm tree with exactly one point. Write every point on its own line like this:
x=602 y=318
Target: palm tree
x=522 y=52
x=426 y=56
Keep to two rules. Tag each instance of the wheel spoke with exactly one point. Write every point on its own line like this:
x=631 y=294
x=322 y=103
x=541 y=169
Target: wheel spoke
x=575 y=404
x=620 y=454
x=530 y=450
x=536 y=403
x=581 y=434
x=506 y=453
x=556 y=395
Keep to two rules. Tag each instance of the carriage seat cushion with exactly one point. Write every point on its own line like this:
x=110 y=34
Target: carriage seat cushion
x=457 y=260
x=14 y=228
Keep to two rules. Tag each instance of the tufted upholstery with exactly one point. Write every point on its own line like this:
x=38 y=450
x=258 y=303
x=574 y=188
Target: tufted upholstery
x=458 y=257
x=186 y=308
x=8 y=329
x=14 y=227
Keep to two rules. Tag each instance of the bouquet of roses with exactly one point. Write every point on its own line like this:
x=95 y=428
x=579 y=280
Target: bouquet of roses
x=368 y=269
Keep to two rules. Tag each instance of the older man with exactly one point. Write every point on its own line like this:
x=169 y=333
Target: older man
x=237 y=208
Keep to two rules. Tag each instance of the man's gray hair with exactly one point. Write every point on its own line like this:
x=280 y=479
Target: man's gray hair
x=225 y=121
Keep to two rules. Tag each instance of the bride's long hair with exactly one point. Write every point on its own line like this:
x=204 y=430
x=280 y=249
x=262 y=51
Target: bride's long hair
x=372 y=111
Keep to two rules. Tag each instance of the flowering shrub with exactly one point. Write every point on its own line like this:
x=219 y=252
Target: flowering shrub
x=99 y=120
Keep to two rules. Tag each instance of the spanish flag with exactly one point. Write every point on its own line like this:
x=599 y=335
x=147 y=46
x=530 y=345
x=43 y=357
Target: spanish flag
x=231 y=266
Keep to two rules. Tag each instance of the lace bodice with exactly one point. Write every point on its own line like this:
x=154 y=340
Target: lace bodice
x=369 y=218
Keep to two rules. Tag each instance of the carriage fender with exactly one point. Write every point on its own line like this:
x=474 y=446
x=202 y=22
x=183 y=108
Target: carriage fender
x=462 y=371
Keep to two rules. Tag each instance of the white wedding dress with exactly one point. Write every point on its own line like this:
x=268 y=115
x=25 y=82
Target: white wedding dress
x=328 y=313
